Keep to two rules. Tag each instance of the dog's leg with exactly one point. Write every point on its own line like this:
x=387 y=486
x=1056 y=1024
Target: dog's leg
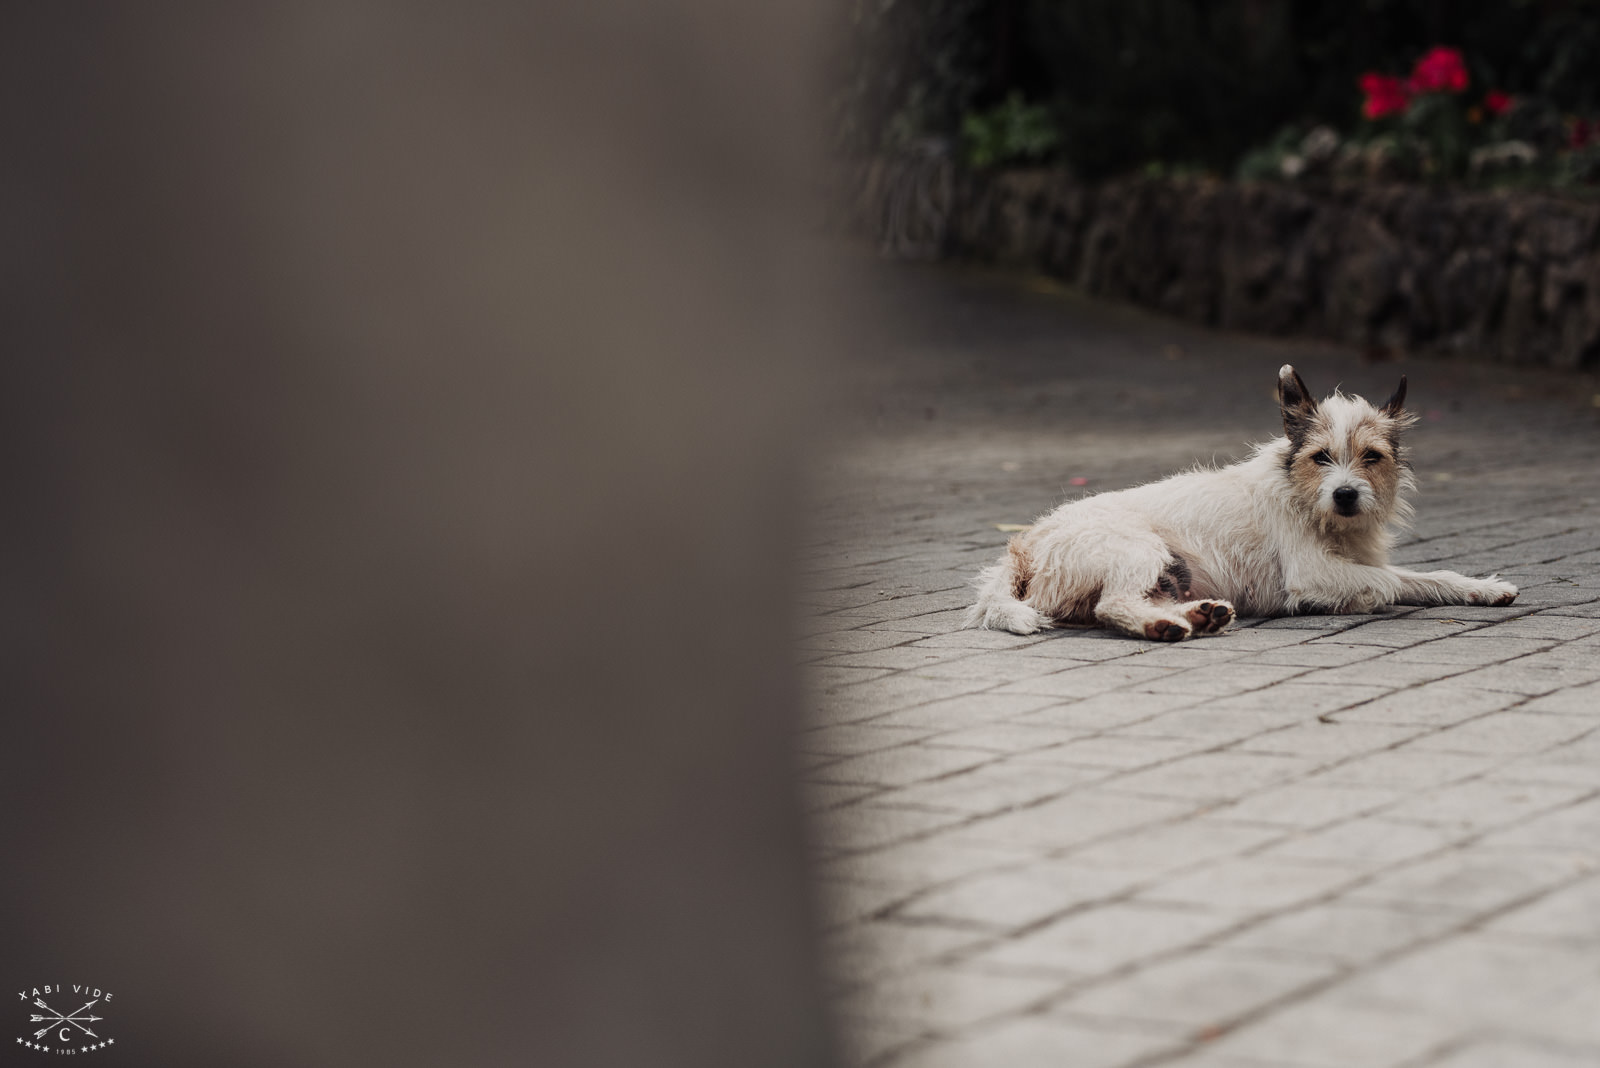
x=1136 y=615
x=1339 y=586
x=1000 y=592
x=1159 y=619
x=1449 y=587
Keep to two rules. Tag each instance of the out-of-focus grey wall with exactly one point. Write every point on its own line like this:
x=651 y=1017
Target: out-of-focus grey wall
x=401 y=411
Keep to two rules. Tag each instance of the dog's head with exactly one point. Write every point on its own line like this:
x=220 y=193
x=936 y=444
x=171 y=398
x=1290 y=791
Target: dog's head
x=1345 y=462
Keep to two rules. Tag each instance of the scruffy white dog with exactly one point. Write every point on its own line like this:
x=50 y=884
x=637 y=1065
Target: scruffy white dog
x=1303 y=525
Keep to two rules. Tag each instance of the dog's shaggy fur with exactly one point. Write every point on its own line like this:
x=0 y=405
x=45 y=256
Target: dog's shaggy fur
x=1303 y=525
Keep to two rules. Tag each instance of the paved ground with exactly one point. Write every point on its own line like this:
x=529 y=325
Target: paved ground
x=1357 y=841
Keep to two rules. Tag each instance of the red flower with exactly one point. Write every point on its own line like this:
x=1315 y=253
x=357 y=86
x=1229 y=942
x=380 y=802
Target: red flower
x=1441 y=70
x=1583 y=131
x=1496 y=102
x=1386 y=95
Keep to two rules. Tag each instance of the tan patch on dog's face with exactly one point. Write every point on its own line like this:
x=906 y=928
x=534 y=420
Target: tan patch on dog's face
x=1348 y=468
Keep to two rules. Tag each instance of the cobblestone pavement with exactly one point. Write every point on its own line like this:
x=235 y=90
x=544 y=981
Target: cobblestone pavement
x=1318 y=841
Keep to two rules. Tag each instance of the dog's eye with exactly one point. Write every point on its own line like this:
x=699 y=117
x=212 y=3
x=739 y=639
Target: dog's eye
x=1374 y=457
x=1321 y=457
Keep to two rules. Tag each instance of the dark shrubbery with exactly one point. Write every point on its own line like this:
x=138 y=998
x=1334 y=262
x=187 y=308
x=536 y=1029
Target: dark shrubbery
x=1198 y=84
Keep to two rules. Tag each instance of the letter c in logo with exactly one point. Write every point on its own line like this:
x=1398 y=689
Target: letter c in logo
x=66 y=1034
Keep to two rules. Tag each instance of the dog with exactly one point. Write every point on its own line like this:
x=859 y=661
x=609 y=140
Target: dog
x=1302 y=526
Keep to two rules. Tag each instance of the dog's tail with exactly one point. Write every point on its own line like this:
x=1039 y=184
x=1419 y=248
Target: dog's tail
x=1000 y=592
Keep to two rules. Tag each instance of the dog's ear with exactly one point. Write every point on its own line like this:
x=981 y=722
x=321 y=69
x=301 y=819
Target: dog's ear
x=1395 y=406
x=1295 y=401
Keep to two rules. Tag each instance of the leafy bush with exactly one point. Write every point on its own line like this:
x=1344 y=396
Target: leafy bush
x=1014 y=132
x=1132 y=85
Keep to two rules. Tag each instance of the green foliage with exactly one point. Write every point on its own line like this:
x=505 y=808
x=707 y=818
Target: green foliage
x=1128 y=85
x=1014 y=132
x=1439 y=122
x=1266 y=161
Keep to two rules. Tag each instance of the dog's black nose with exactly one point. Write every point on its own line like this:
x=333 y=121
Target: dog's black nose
x=1345 y=498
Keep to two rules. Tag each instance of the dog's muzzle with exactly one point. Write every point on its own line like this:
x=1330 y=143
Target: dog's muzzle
x=1346 y=500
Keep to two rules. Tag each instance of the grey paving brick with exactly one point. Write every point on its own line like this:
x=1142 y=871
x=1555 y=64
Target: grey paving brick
x=1576 y=701
x=1476 y=881
x=1505 y=733
x=900 y=766
x=869 y=824
x=1087 y=681
x=1323 y=624
x=819 y=796
x=995 y=666
x=1219 y=723
x=864 y=1040
x=1309 y=804
x=911 y=867
x=1465 y=652
x=1335 y=740
x=1435 y=704
x=1483 y=804
x=1387 y=671
x=967 y=640
x=1207 y=988
x=1019 y=897
x=1297 y=701
x=1038 y=1042
x=1317 y=655
x=1213 y=777
x=1407 y=767
x=1368 y=842
x=1083 y=646
x=1516 y=677
x=1159 y=850
x=1392 y=633
x=1008 y=737
x=1569 y=916
x=1347 y=932
x=895 y=658
x=1506 y=1052
x=1221 y=680
x=1575 y=827
x=957 y=713
x=1473 y=981
x=884 y=947
x=1108 y=710
x=842 y=903
x=1114 y=751
x=1249 y=884
x=1318 y=1034
x=852 y=641
x=995 y=787
x=1081 y=816
x=1104 y=938
x=949 y=997
x=853 y=739
x=1546 y=626
x=832 y=678
x=870 y=700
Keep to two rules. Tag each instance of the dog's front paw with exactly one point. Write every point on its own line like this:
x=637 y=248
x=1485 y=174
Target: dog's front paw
x=1492 y=591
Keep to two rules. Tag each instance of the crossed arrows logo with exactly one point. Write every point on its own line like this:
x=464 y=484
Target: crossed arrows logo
x=56 y=1019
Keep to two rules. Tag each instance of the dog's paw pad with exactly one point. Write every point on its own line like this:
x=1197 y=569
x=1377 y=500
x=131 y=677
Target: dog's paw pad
x=1165 y=630
x=1207 y=617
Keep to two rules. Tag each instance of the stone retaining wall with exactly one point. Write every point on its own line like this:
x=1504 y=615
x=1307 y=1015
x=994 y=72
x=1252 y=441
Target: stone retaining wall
x=1504 y=276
